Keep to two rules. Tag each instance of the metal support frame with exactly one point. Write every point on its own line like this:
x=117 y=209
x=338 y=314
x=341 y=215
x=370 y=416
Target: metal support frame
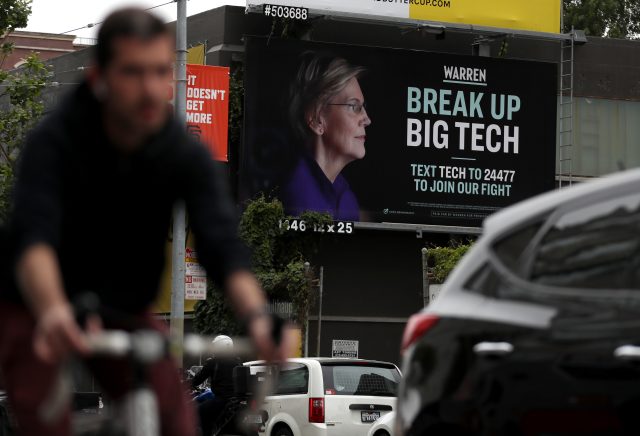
x=425 y=276
x=361 y=319
x=418 y=228
x=434 y=26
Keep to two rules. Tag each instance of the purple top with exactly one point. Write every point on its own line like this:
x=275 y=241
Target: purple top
x=308 y=188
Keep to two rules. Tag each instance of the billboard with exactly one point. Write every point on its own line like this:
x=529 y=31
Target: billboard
x=208 y=107
x=539 y=15
x=384 y=135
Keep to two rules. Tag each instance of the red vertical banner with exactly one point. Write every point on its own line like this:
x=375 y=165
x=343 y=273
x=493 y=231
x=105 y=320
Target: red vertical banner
x=208 y=107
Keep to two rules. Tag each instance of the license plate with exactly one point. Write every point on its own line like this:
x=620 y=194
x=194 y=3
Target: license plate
x=369 y=416
x=253 y=419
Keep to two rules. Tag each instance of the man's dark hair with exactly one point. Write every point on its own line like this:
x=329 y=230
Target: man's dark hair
x=128 y=22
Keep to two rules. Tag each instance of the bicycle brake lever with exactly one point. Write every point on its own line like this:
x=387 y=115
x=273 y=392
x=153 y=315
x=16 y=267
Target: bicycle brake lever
x=85 y=305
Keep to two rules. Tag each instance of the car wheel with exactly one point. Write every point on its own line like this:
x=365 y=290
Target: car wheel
x=282 y=430
x=381 y=433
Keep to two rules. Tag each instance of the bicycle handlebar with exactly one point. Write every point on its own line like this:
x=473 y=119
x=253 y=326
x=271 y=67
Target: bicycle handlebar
x=148 y=346
x=144 y=347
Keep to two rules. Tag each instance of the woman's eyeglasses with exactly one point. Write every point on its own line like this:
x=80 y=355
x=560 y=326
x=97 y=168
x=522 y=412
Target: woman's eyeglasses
x=356 y=108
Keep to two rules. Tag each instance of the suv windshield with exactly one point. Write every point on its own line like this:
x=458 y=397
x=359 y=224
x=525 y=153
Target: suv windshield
x=361 y=379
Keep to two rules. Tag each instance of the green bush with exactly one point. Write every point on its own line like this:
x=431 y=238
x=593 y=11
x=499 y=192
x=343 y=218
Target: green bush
x=442 y=260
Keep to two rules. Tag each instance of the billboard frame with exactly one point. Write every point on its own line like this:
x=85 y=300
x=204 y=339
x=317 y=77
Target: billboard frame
x=437 y=26
x=575 y=37
x=418 y=228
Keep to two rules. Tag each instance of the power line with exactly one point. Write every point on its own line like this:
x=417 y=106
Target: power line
x=90 y=25
x=45 y=85
x=163 y=4
x=75 y=70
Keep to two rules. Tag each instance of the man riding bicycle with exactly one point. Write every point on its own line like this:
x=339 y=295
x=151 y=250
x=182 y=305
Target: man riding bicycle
x=95 y=190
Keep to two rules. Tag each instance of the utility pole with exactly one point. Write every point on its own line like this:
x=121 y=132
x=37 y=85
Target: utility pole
x=307 y=272
x=179 y=212
x=320 y=312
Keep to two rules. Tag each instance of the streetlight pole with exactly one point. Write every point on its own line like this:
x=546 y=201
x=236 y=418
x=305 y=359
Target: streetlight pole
x=179 y=212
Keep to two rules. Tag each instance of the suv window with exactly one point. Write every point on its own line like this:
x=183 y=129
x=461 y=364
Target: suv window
x=293 y=379
x=597 y=246
x=510 y=248
x=360 y=379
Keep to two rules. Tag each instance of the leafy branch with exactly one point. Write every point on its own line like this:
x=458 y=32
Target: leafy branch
x=279 y=258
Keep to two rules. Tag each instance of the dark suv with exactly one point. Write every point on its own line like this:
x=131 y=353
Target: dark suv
x=537 y=330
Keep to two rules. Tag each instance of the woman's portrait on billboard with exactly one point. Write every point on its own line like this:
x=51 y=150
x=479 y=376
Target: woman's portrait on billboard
x=328 y=118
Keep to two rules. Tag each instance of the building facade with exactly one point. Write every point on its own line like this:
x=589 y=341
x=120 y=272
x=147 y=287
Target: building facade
x=46 y=45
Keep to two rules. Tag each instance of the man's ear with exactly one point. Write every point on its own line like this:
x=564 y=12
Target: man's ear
x=96 y=82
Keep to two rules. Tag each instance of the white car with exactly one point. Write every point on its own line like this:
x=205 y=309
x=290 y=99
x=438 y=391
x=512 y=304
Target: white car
x=329 y=397
x=383 y=426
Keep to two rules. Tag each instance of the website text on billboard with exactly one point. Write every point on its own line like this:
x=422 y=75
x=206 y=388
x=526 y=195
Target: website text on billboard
x=526 y=15
x=436 y=3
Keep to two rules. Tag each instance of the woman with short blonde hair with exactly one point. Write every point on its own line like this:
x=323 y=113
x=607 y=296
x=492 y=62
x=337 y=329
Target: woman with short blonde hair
x=328 y=119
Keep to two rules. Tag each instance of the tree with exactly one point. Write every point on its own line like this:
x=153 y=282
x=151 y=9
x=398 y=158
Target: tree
x=19 y=97
x=610 y=18
x=21 y=94
x=279 y=257
x=14 y=14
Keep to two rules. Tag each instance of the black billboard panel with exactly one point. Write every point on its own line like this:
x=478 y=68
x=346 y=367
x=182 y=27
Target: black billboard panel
x=384 y=135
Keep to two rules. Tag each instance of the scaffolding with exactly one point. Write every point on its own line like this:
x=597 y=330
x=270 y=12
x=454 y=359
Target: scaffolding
x=566 y=136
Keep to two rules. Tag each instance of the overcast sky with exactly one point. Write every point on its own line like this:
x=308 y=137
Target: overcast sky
x=57 y=16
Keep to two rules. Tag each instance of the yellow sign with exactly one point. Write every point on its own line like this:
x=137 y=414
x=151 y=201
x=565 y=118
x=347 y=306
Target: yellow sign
x=195 y=55
x=296 y=346
x=163 y=302
x=533 y=15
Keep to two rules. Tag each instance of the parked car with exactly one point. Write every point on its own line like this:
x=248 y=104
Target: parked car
x=384 y=426
x=536 y=331
x=329 y=397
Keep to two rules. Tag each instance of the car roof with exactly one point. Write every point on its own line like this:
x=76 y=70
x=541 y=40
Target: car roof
x=348 y=360
x=550 y=200
x=326 y=360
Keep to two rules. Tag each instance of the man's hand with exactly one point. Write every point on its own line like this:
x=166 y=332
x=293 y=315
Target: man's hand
x=250 y=303
x=261 y=331
x=57 y=335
